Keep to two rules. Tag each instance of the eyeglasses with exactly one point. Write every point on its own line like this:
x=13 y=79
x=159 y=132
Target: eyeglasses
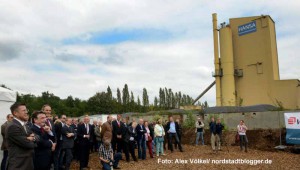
x=11 y=117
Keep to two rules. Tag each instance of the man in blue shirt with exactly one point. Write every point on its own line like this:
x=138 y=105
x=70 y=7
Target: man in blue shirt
x=172 y=130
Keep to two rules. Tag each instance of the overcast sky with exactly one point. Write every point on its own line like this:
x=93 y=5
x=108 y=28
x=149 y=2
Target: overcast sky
x=80 y=47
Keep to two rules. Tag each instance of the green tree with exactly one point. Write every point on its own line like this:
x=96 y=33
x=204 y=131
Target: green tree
x=119 y=96
x=138 y=104
x=155 y=103
x=125 y=98
x=145 y=98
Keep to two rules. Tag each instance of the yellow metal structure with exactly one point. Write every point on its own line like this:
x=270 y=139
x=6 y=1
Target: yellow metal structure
x=226 y=52
x=217 y=60
x=249 y=72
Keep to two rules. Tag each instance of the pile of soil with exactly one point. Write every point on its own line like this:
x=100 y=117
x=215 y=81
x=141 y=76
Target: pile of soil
x=258 y=139
x=181 y=160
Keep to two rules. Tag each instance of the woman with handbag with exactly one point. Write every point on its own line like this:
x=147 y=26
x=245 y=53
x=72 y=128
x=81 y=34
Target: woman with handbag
x=148 y=138
x=159 y=134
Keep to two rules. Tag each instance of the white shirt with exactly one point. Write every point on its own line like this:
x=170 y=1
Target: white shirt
x=22 y=123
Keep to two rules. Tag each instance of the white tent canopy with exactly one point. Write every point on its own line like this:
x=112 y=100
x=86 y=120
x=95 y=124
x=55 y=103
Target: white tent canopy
x=7 y=98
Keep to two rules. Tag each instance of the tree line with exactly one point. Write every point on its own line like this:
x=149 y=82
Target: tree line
x=105 y=103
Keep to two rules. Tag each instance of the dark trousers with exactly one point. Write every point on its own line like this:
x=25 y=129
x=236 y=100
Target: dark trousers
x=41 y=161
x=3 y=163
x=179 y=137
x=142 y=149
x=96 y=145
x=84 y=153
x=69 y=156
x=117 y=145
x=170 y=137
x=76 y=150
x=57 y=158
x=117 y=158
x=131 y=146
x=243 y=141
x=126 y=150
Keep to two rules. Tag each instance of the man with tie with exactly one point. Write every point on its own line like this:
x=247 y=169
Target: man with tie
x=83 y=135
x=20 y=144
x=118 y=131
x=42 y=153
x=140 y=129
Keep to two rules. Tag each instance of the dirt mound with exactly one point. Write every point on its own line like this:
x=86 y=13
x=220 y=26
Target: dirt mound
x=258 y=139
x=208 y=160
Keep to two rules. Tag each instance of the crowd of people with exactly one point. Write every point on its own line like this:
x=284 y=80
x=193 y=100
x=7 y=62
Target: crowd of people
x=44 y=142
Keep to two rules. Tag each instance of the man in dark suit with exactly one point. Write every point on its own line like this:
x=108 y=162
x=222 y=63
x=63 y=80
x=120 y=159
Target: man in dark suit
x=42 y=153
x=141 y=141
x=172 y=128
x=93 y=137
x=68 y=135
x=20 y=143
x=9 y=118
x=118 y=131
x=76 y=153
x=49 y=122
x=125 y=139
x=58 y=158
x=83 y=135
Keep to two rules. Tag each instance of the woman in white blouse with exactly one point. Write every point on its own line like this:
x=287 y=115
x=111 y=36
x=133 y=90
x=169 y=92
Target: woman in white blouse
x=159 y=134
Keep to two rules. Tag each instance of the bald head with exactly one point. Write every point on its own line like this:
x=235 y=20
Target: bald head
x=141 y=121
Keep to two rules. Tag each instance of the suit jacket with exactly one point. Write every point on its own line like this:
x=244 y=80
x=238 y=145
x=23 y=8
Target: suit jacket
x=4 y=143
x=74 y=127
x=68 y=142
x=43 y=150
x=20 y=150
x=51 y=124
x=130 y=133
x=176 y=127
x=81 y=131
x=117 y=129
x=151 y=128
x=92 y=137
x=57 y=128
x=106 y=132
x=97 y=133
x=140 y=132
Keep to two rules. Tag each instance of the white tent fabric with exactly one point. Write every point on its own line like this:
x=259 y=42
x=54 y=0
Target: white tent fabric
x=7 y=95
x=7 y=98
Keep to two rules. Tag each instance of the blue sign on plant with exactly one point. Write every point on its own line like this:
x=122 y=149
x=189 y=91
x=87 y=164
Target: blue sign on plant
x=247 y=28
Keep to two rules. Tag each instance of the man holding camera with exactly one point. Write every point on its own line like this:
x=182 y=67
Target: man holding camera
x=199 y=131
x=108 y=159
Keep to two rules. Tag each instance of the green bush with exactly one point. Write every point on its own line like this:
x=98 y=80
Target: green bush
x=190 y=120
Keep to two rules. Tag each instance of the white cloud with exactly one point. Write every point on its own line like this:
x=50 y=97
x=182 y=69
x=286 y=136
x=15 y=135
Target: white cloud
x=34 y=30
